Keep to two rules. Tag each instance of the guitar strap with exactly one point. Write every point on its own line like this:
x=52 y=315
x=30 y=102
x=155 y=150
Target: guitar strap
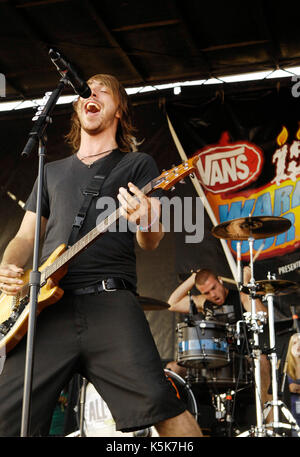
x=93 y=190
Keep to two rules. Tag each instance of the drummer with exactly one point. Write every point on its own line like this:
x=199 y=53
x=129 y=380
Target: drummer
x=214 y=298
x=216 y=302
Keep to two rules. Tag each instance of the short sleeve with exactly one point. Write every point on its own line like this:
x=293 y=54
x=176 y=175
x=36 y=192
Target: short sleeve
x=145 y=171
x=30 y=204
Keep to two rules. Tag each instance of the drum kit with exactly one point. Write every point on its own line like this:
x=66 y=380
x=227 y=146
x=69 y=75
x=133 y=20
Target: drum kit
x=209 y=350
x=203 y=345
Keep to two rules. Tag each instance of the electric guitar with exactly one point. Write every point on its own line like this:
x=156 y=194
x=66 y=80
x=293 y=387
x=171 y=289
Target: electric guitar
x=14 y=310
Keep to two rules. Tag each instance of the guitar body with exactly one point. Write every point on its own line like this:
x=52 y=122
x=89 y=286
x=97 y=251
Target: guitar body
x=50 y=293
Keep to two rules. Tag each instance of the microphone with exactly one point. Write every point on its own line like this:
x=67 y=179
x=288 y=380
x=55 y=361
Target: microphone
x=193 y=309
x=66 y=70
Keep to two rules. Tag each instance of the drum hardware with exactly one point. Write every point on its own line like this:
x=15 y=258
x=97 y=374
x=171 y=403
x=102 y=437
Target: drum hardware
x=79 y=409
x=223 y=404
x=292 y=424
x=82 y=405
x=275 y=404
x=254 y=325
x=270 y=288
x=251 y=228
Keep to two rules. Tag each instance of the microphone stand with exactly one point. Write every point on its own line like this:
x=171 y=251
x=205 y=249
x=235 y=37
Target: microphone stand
x=36 y=136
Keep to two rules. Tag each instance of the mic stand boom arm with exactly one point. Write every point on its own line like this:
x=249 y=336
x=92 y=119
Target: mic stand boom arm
x=40 y=125
x=36 y=136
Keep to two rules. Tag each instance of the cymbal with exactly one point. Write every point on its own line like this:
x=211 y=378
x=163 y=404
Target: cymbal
x=257 y=227
x=275 y=287
x=152 y=304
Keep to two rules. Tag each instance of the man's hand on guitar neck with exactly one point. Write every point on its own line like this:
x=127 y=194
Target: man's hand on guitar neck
x=10 y=279
x=143 y=211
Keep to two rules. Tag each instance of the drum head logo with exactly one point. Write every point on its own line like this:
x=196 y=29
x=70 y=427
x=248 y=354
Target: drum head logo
x=228 y=166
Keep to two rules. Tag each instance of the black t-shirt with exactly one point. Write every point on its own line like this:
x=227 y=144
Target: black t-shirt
x=230 y=312
x=112 y=254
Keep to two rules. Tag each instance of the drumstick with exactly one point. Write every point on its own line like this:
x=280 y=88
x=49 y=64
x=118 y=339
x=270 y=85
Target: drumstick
x=258 y=251
x=232 y=281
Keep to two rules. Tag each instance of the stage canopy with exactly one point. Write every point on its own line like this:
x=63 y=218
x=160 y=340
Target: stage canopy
x=144 y=42
x=147 y=44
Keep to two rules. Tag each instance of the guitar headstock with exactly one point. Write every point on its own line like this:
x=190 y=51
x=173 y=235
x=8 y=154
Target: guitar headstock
x=170 y=177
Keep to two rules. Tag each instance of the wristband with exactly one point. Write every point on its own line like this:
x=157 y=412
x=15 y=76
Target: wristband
x=145 y=229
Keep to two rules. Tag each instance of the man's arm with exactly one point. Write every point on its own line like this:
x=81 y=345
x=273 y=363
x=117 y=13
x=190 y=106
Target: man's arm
x=179 y=300
x=294 y=388
x=17 y=253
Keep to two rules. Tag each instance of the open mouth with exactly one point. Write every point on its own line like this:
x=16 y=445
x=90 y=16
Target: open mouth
x=92 y=107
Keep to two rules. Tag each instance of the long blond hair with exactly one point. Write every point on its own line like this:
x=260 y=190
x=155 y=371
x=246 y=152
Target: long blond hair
x=290 y=359
x=125 y=135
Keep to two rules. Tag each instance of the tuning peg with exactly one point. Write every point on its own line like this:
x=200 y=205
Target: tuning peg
x=182 y=181
x=172 y=189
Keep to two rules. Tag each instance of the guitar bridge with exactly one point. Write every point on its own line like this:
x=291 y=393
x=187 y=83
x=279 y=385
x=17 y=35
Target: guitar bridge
x=17 y=309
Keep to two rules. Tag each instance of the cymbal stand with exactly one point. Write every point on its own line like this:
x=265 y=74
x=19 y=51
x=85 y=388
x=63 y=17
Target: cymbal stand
x=275 y=403
x=256 y=352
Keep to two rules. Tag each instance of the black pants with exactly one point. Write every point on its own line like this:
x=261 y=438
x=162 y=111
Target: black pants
x=106 y=338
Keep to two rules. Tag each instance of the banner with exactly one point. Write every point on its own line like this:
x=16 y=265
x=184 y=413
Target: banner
x=249 y=165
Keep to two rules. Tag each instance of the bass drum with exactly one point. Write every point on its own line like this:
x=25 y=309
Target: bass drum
x=183 y=391
x=98 y=421
x=97 y=418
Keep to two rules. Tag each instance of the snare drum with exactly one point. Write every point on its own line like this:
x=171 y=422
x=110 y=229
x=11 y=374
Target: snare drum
x=202 y=344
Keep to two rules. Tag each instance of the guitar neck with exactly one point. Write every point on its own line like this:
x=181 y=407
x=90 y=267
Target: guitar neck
x=88 y=239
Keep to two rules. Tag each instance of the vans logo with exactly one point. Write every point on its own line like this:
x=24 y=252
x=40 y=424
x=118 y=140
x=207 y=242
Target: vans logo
x=224 y=168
